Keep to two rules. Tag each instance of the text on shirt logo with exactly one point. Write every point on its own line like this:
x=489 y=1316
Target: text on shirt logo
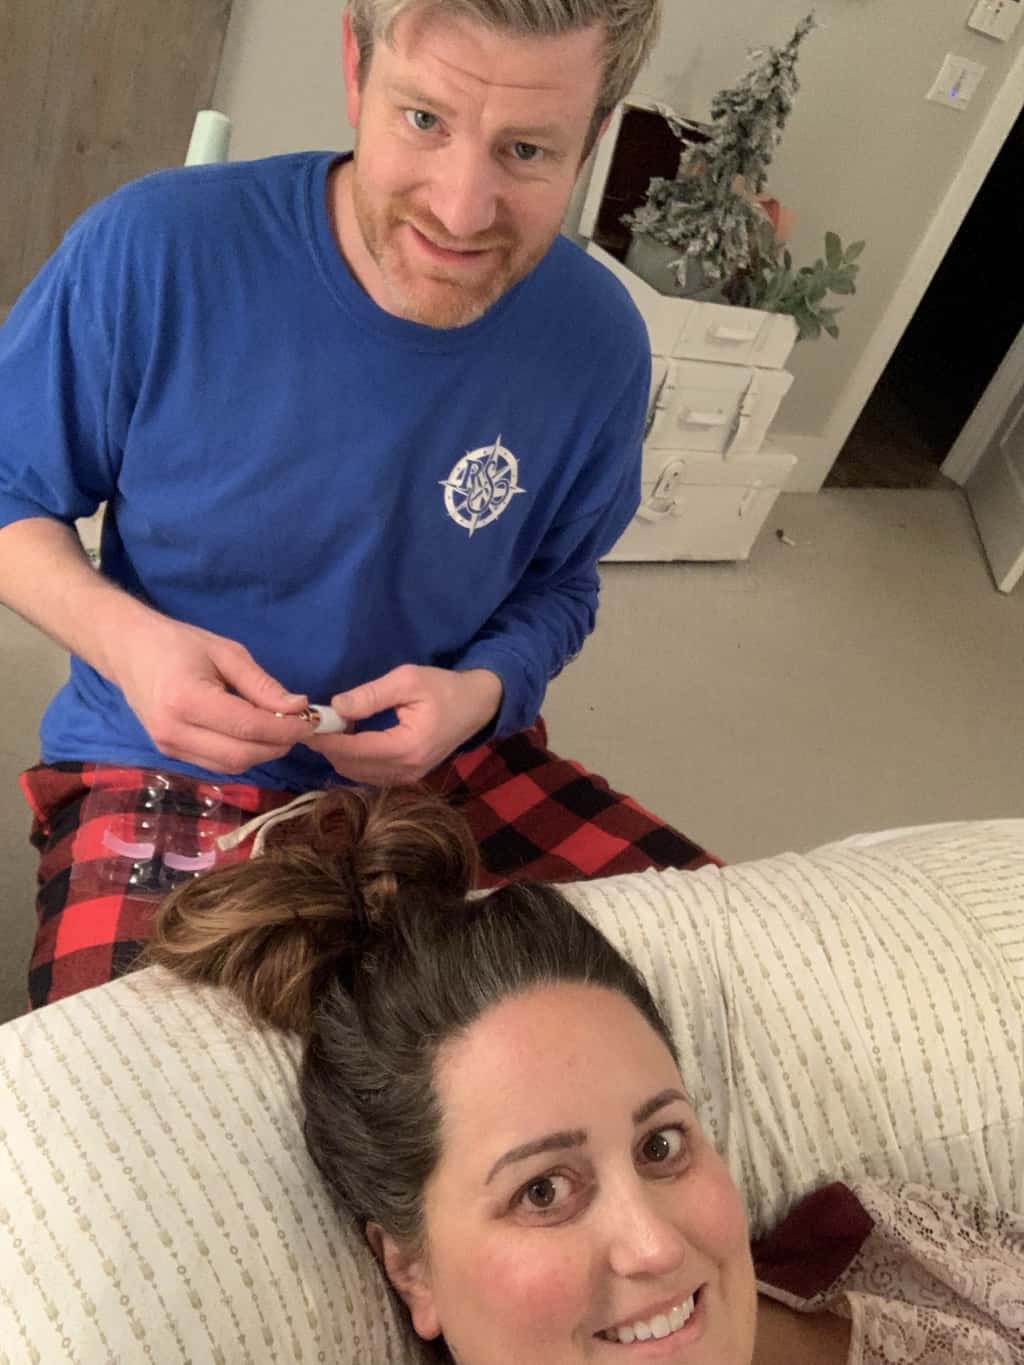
x=481 y=486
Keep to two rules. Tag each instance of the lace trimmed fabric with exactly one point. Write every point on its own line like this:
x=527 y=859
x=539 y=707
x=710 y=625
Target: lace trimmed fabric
x=937 y=1278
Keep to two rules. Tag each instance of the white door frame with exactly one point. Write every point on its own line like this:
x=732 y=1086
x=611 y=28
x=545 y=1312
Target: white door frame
x=818 y=454
x=984 y=421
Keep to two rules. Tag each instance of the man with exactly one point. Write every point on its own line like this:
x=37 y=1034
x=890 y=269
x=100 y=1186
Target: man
x=364 y=425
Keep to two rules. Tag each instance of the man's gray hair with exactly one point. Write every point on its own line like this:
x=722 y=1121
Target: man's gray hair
x=632 y=26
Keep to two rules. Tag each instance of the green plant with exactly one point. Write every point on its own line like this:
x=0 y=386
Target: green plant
x=771 y=283
x=716 y=215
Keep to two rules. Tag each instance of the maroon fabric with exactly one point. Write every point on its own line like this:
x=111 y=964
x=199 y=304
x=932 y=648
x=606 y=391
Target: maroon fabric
x=814 y=1244
x=112 y=841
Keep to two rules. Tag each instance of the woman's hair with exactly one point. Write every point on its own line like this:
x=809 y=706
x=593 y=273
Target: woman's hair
x=632 y=27
x=355 y=929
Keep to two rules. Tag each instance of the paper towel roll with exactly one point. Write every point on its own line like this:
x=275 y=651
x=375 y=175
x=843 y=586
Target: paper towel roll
x=211 y=137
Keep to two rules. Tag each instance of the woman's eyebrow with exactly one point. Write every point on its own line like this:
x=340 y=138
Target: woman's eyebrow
x=577 y=1137
x=660 y=1101
x=554 y=1142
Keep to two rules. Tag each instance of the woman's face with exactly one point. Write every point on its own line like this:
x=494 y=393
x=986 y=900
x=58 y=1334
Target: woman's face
x=577 y=1212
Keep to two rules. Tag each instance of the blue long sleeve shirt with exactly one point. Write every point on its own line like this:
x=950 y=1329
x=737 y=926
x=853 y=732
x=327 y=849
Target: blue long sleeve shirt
x=290 y=466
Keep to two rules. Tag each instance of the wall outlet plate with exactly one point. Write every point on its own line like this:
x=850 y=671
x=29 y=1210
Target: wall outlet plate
x=957 y=81
x=996 y=18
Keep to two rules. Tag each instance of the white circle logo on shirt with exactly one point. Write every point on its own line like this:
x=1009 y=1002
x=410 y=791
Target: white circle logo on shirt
x=481 y=486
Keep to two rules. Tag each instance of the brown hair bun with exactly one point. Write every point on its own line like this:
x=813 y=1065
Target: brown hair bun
x=268 y=929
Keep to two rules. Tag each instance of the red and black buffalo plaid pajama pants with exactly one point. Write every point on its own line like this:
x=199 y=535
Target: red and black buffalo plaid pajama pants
x=112 y=841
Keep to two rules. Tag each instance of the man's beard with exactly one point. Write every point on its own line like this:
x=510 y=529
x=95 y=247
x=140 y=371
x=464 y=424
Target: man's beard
x=430 y=293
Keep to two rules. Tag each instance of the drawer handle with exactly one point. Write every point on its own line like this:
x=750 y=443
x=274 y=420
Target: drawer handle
x=664 y=500
x=703 y=419
x=656 y=511
x=731 y=334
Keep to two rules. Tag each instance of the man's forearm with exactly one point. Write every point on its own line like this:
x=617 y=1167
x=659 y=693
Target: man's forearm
x=528 y=641
x=46 y=577
x=483 y=693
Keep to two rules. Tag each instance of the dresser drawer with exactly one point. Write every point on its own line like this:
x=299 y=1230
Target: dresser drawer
x=684 y=329
x=701 y=507
x=721 y=409
x=731 y=336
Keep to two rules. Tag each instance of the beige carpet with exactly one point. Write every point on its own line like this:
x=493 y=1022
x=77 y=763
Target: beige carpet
x=869 y=676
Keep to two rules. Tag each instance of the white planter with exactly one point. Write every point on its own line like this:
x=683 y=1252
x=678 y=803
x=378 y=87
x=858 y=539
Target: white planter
x=655 y=263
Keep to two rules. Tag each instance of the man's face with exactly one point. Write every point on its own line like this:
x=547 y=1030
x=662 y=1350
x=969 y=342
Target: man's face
x=468 y=143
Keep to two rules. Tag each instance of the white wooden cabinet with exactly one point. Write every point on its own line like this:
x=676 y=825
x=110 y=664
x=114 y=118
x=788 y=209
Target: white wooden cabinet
x=710 y=479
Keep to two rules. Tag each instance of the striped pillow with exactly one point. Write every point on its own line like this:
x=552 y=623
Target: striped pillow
x=855 y=1012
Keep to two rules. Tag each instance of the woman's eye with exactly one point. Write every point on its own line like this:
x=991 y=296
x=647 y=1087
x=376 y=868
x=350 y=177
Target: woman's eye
x=421 y=120
x=526 y=152
x=665 y=1146
x=546 y=1193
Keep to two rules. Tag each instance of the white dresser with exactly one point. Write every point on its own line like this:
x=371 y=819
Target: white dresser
x=710 y=476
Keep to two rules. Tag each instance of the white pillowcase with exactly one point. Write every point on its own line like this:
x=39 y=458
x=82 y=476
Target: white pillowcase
x=854 y=1012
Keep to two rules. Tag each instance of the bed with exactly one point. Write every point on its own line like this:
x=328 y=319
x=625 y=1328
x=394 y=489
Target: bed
x=857 y=1011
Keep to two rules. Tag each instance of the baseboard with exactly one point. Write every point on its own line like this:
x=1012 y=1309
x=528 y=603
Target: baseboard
x=815 y=456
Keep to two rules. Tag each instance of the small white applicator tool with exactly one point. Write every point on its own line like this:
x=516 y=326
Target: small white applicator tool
x=324 y=720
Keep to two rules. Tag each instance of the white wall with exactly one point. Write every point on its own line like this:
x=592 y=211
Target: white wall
x=280 y=77
x=864 y=153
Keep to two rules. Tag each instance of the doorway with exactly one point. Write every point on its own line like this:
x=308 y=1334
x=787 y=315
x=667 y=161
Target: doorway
x=965 y=323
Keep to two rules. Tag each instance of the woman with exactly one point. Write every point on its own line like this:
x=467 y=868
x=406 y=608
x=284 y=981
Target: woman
x=491 y=1091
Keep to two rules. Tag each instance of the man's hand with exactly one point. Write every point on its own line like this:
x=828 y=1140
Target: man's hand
x=437 y=710
x=178 y=679
x=204 y=699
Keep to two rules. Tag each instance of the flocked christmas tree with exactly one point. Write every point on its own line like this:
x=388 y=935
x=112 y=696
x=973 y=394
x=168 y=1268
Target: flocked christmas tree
x=711 y=215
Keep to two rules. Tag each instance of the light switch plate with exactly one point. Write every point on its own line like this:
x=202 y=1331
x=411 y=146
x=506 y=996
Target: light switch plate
x=996 y=18
x=956 y=82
